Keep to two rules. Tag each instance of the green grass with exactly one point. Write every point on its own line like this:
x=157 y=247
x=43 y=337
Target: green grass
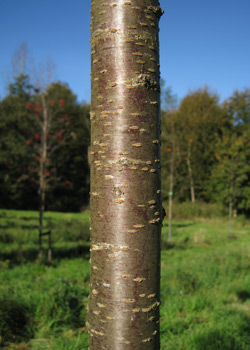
x=19 y=235
x=205 y=284
x=206 y=287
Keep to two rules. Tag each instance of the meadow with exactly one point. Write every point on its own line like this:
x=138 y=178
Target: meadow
x=205 y=282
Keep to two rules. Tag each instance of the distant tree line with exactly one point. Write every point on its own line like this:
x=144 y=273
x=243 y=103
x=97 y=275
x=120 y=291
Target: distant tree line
x=205 y=148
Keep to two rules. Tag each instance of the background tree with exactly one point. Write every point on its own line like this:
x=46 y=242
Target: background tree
x=230 y=181
x=170 y=151
x=238 y=108
x=230 y=177
x=125 y=176
x=15 y=122
x=55 y=111
x=200 y=120
x=69 y=151
x=20 y=137
x=190 y=170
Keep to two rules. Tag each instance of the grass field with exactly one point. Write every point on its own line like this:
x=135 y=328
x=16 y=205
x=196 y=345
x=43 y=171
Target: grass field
x=205 y=287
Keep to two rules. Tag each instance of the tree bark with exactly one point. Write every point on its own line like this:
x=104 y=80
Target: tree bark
x=42 y=175
x=190 y=172
x=171 y=184
x=170 y=210
x=230 y=209
x=126 y=212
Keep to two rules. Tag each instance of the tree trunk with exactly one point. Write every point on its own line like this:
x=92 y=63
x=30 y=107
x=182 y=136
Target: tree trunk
x=191 y=180
x=126 y=212
x=230 y=210
x=171 y=185
x=170 y=208
x=43 y=159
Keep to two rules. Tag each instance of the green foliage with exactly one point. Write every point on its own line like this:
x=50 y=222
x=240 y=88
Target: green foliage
x=238 y=107
x=21 y=87
x=67 y=175
x=200 y=123
x=231 y=175
x=14 y=155
x=170 y=151
x=206 y=145
x=68 y=183
x=203 y=142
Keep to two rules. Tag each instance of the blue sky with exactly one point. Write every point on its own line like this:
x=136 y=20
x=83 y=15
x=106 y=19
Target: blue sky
x=201 y=42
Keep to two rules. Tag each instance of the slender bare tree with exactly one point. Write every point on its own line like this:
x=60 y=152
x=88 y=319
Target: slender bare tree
x=171 y=179
x=190 y=171
x=21 y=61
x=126 y=211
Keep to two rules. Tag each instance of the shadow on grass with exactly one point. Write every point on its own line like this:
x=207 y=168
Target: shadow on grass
x=7 y=225
x=19 y=255
x=180 y=245
x=82 y=250
x=63 y=306
x=14 y=218
x=28 y=227
x=236 y=337
x=243 y=295
x=16 y=324
x=218 y=340
x=183 y=224
x=17 y=225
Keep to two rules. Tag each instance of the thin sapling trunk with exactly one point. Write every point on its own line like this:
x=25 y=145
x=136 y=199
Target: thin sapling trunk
x=126 y=212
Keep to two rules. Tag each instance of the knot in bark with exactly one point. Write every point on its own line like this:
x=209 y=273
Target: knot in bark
x=156 y=10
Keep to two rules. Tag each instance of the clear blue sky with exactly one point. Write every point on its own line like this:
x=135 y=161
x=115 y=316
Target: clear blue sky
x=201 y=42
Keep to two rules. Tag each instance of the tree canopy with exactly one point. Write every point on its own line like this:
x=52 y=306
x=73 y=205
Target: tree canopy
x=21 y=118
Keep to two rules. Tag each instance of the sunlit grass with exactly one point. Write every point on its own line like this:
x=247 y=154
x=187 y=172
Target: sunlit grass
x=205 y=284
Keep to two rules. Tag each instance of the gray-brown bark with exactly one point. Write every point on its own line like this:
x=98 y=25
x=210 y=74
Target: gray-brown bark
x=171 y=184
x=126 y=210
x=230 y=209
x=190 y=172
x=170 y=210
x=42 y=174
